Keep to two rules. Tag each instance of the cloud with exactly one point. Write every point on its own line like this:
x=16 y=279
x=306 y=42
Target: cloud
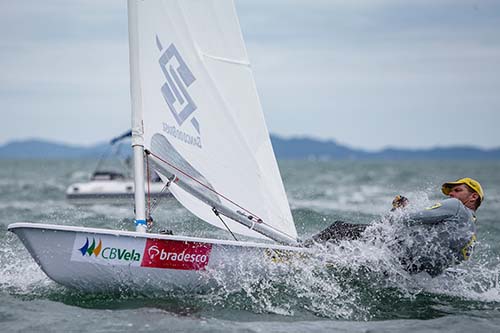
x=367 y=72
x=361 y=72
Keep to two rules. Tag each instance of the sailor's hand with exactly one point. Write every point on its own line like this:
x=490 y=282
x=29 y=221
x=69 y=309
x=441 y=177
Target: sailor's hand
x=399 y=202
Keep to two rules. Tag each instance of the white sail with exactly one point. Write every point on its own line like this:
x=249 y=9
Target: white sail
x=199 y=113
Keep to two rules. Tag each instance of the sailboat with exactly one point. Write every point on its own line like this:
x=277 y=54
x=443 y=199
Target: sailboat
x=197 y=120
x=111 y=185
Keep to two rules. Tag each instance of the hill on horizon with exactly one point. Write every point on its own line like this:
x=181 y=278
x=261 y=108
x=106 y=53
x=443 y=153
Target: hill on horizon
x=295 y=148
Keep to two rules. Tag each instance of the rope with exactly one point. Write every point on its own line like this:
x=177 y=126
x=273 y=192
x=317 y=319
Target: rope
x=156 y=201
x=104 y=154
x=216 y=212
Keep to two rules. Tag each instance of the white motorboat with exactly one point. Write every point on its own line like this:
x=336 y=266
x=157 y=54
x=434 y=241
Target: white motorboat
x=111 y=187
x=197 y=120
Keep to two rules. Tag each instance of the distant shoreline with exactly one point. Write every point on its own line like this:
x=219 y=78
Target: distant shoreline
x=285 y=149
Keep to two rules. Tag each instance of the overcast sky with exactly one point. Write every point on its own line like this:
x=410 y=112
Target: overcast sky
x=369 y=74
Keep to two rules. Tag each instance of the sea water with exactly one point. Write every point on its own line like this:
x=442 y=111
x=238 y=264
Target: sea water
x=353 y=286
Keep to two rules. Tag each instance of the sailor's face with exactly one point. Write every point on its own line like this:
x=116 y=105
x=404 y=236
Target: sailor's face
x=462 y=193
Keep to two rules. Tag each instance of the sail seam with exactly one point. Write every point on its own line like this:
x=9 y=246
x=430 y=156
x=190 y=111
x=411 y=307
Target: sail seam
x=230 y=61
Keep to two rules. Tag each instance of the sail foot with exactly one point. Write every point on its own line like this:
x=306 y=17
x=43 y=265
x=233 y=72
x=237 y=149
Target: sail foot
x=212 y=200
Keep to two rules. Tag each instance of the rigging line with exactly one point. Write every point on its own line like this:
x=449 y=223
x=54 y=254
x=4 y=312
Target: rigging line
x=101 y=158
x=156 y=201
x=122 y=159
x=259 y=220
x=216 y=212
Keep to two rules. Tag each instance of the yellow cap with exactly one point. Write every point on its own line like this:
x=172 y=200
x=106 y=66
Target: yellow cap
x=473 y=184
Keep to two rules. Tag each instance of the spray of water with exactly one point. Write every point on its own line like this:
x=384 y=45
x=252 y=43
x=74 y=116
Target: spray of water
x=20 y=274
x=353 y=280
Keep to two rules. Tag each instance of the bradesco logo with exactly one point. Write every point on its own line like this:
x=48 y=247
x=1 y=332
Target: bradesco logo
x=154 y=251
x=176 y=254
x=108 y=253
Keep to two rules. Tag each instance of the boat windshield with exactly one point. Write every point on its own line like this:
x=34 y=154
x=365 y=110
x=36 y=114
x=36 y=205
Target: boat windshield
x=107 y=175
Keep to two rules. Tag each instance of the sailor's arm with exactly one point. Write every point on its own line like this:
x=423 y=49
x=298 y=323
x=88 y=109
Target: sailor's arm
x=435 y=214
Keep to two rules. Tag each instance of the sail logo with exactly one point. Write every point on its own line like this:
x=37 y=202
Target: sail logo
x=108 y=253
x=178 y=79
x=176 y=254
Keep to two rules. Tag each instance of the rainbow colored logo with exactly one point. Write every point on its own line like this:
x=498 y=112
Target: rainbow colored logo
x=92 y=249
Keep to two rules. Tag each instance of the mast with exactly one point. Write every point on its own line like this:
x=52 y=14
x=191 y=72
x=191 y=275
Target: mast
x=137 y=126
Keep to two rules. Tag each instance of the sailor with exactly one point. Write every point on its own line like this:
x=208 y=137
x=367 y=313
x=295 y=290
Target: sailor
x=430 y=240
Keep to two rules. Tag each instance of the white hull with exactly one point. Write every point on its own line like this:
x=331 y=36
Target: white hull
x=107 y=260
x=111 y=191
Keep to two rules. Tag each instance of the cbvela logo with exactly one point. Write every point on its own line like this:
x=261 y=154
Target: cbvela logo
x=90 y=250
x=176 y=254
x=178 y=79
x=97 y=250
